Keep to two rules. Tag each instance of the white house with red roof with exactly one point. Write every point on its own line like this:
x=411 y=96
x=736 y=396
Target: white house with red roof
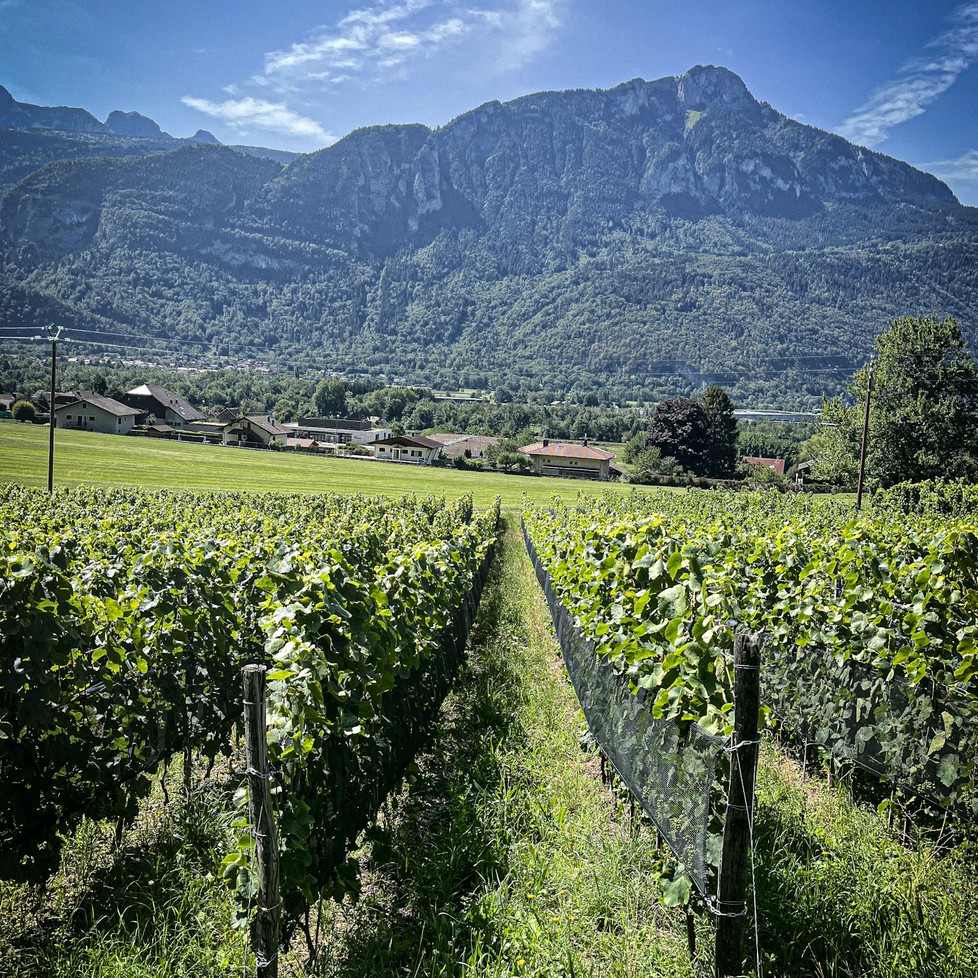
x=568 y=459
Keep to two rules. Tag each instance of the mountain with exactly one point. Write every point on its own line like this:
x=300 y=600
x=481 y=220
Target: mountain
x=33 y=135
x=646 y=240
x=23 y=115
x=134 y=124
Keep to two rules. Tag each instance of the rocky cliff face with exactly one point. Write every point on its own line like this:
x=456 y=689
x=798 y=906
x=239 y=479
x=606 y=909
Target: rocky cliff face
x=135 y=125
x=695 y=145
x=675 y=225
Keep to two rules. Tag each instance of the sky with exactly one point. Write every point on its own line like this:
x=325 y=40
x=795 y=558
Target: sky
x=900 y=77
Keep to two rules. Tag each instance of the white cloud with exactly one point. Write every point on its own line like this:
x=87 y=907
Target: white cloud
x=960 y=174
x=920 y=81
x=252 y=113
x=964 y=167
x=389 y=35
x=527 y=31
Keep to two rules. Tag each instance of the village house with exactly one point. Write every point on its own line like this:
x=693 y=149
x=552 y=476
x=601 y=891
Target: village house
x=569 y=460
x=95 y=412
x=162 y=404
x=255 y=430
x=407 y=448
x=337 y=431
x=774 y=464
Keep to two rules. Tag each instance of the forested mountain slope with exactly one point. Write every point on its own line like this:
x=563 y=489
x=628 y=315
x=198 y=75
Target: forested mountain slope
x=646 y=239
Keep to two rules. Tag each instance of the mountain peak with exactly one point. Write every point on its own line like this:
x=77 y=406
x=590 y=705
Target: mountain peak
x=133 y=124
x=705 y=85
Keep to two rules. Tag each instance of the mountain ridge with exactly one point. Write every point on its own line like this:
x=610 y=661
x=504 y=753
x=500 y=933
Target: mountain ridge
x=650 y=238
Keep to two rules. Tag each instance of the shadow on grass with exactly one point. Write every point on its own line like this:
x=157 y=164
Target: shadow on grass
x=444 y=840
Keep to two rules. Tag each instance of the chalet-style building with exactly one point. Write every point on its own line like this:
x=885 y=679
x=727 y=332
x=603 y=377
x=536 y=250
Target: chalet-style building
x=255 y=430
x=337 y=431
x=569 y=460
x=407 y=448
x=165 y=406
x=95 y=412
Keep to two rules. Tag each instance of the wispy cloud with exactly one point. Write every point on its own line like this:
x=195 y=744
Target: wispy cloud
x=919 y=82
x=246 y=114
x=382 y=41
x=960 y=174
x=386 y=37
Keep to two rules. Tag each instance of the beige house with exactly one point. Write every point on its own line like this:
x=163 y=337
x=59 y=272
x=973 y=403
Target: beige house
x=407 y=448
x=569 y=460
x=466 y=446
x=255 y=430
x=94 y=412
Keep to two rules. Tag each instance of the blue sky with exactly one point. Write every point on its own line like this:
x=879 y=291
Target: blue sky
x=900 y=77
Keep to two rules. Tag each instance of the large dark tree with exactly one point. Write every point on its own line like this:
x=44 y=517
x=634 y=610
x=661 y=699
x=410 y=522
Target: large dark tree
x=680 y=430
x=923 y=421
x=721 y=453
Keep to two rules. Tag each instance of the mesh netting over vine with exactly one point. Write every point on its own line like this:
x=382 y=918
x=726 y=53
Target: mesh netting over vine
x=923 y=736
x=669 y=769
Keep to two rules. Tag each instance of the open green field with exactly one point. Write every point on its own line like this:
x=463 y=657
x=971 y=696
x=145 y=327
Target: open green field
x=85 y=458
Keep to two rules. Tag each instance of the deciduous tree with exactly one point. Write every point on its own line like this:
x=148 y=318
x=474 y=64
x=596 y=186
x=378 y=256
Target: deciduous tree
x=923 y=420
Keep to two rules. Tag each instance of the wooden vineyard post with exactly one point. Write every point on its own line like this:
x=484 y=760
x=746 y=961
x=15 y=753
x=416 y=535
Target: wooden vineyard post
x=260 y=814
x=737 y=826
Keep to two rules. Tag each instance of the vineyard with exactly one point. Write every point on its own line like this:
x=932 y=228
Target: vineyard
x=127 y=617
x=869 y=629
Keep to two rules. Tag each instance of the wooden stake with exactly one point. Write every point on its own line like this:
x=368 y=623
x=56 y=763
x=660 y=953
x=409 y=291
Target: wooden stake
x=735 y=859
x=266 y=928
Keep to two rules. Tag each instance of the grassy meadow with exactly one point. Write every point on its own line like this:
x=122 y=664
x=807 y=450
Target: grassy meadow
x=86 y=458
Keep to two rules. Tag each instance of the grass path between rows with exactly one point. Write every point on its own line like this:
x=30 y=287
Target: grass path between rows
x=508 y=856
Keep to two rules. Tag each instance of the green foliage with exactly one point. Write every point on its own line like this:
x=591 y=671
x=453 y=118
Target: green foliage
x=127 y=615
x=23 y=411
x=659 y=584
x=679 y=429
x=936 y=498
x=721 y=453
x=923 y=421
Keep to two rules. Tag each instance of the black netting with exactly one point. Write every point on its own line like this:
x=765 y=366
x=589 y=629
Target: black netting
x=669 y=769
x=924 y=736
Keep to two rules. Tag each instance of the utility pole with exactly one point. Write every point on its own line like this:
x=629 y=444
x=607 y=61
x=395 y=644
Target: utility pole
x=862 y=450
x=54 y=332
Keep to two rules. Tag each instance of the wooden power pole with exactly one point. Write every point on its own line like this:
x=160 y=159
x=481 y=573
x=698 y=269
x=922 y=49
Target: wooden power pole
x=268 y=916
x=862 y=449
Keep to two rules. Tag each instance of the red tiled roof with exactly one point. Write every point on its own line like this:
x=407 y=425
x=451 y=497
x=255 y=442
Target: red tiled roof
x=772 y=463
x=563 y=449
